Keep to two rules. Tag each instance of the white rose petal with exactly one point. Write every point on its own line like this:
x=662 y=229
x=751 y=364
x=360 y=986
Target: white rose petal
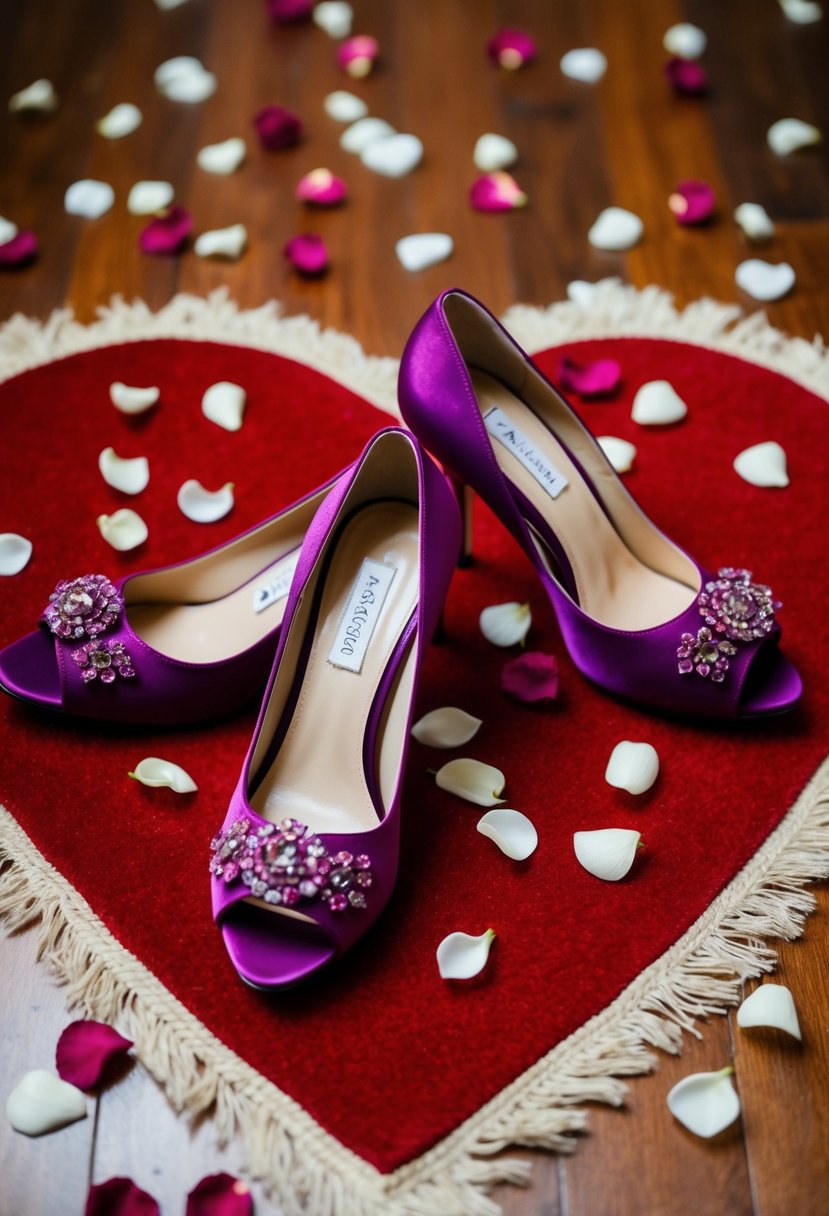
x=706 y=1102
x=770 y=1005
x=765 y=280
x=471 y=779
x=184 y=78
x=223 y=158
x=149 y=198
x=585 y=63
x=334 y=17
x=122 y=120
x=40 y=96
x=619 y=452
x=41 y=1102
x=686 y=40
x=222 y=242
x=790 y=134
x=131 y=400
x=124 y=529
x=129 y=476
x=607 y=853
x=754 y=221
x=158 y=773
x=363 y=132
x=801 y=12
x=514 y=833
x=424 y=249
x=616 y=229
x=393 y=157
x=224 y=404
x=204 y=506
x=493 y=152
x=763 y=464
x=632 y=766
x=657 y=403
x=447 y=727
x=89 y=198
x=15 y=551
x=506 y=624
x=166 y=5
x=461 y=956
x=8 y=231
x=344 y=107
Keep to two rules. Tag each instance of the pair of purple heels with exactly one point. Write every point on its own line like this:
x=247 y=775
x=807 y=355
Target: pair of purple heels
x=347 y=587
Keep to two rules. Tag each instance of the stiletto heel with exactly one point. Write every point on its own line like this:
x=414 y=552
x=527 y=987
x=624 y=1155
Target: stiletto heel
x=639 y=616
x=466 y=498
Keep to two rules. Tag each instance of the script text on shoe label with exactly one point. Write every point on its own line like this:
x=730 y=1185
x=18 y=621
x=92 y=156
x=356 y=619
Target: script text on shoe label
x=501 y=427
x=362 y=612
x=277 y=586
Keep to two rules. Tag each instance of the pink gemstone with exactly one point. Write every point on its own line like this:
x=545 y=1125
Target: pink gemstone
x=338 y=903
x=107 y=676
x=290 y=896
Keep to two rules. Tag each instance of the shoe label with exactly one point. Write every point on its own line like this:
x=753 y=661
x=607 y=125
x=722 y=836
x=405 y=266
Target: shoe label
x=362 y=612
x=277 y=586
x=523 y=449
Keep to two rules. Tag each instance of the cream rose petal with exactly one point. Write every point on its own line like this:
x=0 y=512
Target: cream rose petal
x=657 y=403
x=8 y=230
x=770 y=1005
x=473 y=780
x=132 y=400
x=130 y=476
x=41 y=1102
x=38 y=96
x=801 y=12
x=493 y=152
x=616 y=229
x=461 y=956
x=754 y=221
x=344 y=107
x=89 y=198
x=124 y=529
x=184 y=78
x=619 y=452
x=149 y=197
x=763 y=464
x=393 y=157
x=446 y=727
x=790 y=135
x=506 y=624
x=706 y=1102
x=335 y=17
x=765 y=280
x=204 y=506
x=15 y=551
x=158 y=773
x=514 y=833
x=585 y=63
x=222 y=242
x=424 y=249
x=632 y=766
x=364 y=132
x=224 y=404
x=686 y=40
x=607 y=853
x=122 y=120
x=223 y=158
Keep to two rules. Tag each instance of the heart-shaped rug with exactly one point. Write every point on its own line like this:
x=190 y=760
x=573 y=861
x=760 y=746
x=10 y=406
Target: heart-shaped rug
x=582 y=973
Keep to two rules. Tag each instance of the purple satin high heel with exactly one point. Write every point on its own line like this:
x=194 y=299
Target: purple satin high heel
x=639 y=616
x=184 y=644
x=307 y=857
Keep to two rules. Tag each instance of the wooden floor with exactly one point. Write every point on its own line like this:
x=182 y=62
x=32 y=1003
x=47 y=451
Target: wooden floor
x=625 y=141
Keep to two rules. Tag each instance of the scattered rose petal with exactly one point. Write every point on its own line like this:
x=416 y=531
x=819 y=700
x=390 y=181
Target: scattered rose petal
x=223 y=158
x=149 y=198
x=424 y=249
x=124 y=529
x=335 y=17
x=277 y=128
x=222 y=242
x=224 y=404
x=494 y=152
x=88 y=198
x=619 y=452
x=686 y=40
x=607 y=853
x=496 y=192
x=167 y=233
x=163 y=774
x=532 y=677
x=506 y=624
x=447 y=727
x=220 y=1195
x=321 y=188
x=8 y=230
x=706 y=1102
x=307 y=254
x=632 y=766
x=363 y=132
x=41 y=1102
x=514 y=833
x=585 y=63
x=616 y=229
x=120 y=1196
x=19 y=249
x=754 y=221
x=167 y=5
x=15 y=551
x=84 y=1050
x=288 y=12
x=692 y=202
x=129 y=476
x=511 y=49
x=657 y=403
x=184 y=79
x=790 y=135
x=357 y=55
x=131 y=400
x=461 y=956
x=801 y=12
x=38 y=97
x=122 y=120
x=763 y=464
x=204 y=506
x=344 y=107
x=598 y=378
x=393 y=157
x=765 y=280
x=770 y=1005
x=582 y=293
x=686 y=77
x=472 y=780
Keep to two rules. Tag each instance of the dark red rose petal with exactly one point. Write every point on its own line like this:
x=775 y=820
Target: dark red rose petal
x=167 y=233
x=119 y=1197
x=686 y=77
x=692 y=202
x=21 y=248
x=511 y=49
x=277 y=128
x=597 y=379
x=531 y=677
x=85 y=1049
x=307 y=254
x=219 y=1195
x=288 y=12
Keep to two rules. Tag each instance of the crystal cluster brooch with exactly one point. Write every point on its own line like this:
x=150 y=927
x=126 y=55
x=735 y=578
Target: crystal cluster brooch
x=83 y=608
x=285 y=863
x=734 y=610
x=104 y=661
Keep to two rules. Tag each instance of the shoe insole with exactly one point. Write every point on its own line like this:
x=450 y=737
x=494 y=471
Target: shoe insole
x=613 y=586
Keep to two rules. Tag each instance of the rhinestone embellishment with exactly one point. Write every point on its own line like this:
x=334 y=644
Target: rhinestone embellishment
x=285 y=863
x=705 y=654
x=734 y=610
x=104 y=661
x=83 y=607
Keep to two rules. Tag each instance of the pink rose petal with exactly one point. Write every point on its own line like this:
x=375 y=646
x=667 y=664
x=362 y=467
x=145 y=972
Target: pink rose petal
x=692 y=202
x=686 y=77
x=531 y=677
x=307 y=254
x=85 y=1049
x=288 y=12
x=119 y=1197
x=511 y=49
x=596 y=379
x=320 y=188
x=21 y=248
x=277 y=128
x=168 y=232
x=357 y=55
x=496 y=192
x=219 y=1195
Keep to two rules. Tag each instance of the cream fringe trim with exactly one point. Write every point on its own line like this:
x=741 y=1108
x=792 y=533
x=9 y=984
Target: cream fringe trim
x=303 y=1167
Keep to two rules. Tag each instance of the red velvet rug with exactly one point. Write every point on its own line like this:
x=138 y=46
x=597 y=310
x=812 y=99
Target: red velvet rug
x=380 y=1031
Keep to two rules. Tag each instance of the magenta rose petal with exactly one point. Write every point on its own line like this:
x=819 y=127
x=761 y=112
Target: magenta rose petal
x=511 y=49
x=321 y=188
x=307 y=254
x=20 y=249
x=119 y=1197
x=288 y=12
x=85 y=1049
x=598 y=378
x=357 y=55
x=168 y=232
x=692 y=202
x=686 y=77
x=531 y=677
x=496 y=192
x=277 y=128
x=219 y=1195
